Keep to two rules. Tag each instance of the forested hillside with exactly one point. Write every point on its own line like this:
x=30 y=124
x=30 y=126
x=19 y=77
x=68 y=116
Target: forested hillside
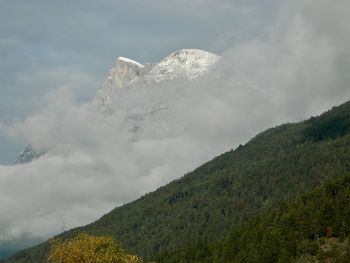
x=277 y=165
x=315 y=228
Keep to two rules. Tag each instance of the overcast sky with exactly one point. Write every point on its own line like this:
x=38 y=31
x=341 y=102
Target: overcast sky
x=279 y=64
x=45 y=44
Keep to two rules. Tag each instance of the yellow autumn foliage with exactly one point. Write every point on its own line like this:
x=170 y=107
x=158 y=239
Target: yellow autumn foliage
x=85 y=248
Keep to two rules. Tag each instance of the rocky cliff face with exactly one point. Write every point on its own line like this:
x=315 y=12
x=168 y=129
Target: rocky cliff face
x=119 y=77
x=188 y=64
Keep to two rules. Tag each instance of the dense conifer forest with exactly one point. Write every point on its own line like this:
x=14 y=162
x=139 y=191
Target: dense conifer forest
x=314 y=228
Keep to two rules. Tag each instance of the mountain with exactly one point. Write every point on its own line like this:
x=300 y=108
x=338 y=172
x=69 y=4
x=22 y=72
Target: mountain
x=188 y=64
x=119 y=77
x=29 y=154
x=152 y=114
x=276 y=166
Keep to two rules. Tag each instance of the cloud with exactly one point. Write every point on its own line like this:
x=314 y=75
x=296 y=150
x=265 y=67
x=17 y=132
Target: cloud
x=296 y=68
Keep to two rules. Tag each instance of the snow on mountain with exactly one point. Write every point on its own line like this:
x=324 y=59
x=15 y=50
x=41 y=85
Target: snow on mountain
x=188 y=64
x=119 y=77
x=151 y=112
x=147 y=112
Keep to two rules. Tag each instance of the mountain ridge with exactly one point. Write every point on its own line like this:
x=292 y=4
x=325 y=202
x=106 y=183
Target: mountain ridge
x=189 y=64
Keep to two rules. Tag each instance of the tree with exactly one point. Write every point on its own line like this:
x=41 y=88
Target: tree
x=85 y=248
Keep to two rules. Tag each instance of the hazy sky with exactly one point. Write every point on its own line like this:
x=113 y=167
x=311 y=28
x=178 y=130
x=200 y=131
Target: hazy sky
x=279 y=64
x=47 y=44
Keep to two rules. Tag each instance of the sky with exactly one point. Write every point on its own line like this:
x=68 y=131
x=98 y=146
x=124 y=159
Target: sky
x=281 y=62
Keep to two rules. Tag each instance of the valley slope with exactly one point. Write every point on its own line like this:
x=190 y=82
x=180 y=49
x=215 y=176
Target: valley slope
x=275 y=166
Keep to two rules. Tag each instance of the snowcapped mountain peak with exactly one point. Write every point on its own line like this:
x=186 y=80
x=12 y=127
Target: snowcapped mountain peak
x=119 y=77
x=189 y=64
x=121 y=60
x=191 y=55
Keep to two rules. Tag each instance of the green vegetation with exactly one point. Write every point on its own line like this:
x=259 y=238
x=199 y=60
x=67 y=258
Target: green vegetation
x=276 y=166
x=334 y=124
x=315 y=228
